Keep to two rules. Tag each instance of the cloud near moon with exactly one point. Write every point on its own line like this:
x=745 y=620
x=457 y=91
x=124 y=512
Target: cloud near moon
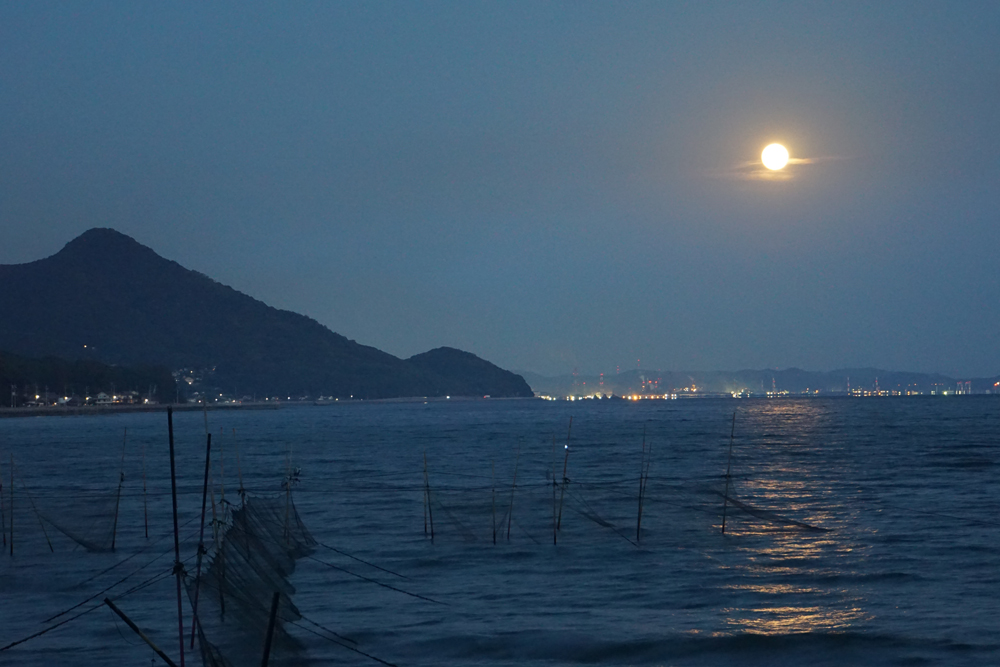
x=754 y=170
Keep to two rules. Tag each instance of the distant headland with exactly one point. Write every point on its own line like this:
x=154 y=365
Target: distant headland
x=106 y=299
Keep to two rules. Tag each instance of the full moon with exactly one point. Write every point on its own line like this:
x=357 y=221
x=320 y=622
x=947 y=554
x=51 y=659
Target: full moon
x=774 y=157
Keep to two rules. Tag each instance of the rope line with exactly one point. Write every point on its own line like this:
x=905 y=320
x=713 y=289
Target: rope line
x=374 y=581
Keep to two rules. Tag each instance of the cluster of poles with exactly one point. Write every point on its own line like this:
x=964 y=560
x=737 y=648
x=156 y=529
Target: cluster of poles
x=270 y=635
x=560 y=485
x=178 y=570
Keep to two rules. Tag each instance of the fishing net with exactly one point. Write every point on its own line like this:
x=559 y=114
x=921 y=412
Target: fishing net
x=90 y=519
x=535 y=508
x=255 y=554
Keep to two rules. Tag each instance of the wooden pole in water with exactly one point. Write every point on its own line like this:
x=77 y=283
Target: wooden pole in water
x=3 y=514
x=118 y=498
x=288 y=488
x=270 y=628
x=201 y=537
x=145 y=506
x=554 y=539
x=645 y=477
x=729 y=467
x=220 y=557
x=562 y=494
x=427 y=495
x=220 y=553
x=493 y=475
x=142 y=635
x=642 y=468
x=222 y=471
x=239 y=468
x=178 y=566
x=12 y=504
x=510 y=510
x=242 y=493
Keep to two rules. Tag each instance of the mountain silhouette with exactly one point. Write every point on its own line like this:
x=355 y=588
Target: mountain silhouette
x=106 y=297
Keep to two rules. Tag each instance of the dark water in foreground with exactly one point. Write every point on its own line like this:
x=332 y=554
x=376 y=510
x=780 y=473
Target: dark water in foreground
x=908 y=573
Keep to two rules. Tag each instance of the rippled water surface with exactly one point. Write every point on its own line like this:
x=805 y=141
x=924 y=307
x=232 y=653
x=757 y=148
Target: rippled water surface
x=901 y=567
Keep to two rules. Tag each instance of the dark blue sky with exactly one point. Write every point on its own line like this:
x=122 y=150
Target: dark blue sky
x=547 y=185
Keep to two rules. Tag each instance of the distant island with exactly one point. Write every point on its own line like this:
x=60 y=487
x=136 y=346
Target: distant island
x=787 y=382
x=107 y=299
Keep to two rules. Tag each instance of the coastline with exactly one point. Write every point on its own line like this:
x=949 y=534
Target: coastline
x=63 y=411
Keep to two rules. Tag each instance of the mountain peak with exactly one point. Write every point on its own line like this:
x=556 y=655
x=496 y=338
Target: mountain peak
x=102 y=240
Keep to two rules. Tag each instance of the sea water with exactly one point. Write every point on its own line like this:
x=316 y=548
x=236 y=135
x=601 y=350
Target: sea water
x=905 y=569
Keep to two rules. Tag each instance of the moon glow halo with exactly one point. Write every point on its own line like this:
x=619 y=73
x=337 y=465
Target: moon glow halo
x=774 y=157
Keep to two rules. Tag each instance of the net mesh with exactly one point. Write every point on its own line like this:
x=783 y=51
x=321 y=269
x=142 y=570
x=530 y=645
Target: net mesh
x=89 y=520
x=256 y=552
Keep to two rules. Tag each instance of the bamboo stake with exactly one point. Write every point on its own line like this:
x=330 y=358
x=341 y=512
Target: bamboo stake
x=118 y=498
x=510 y=510
x=554 y=539
x=642 y=466
x=221 y=557
x=222 y=471
x=242 y=492
x=288 y=489
x=494 y=480
x=12 y=504
x=645 y=477
x=142 y=635
x=201 y=537
x=220 y=548
x=239 y=468
x=3 y=514
x=215 y=517
x=729 y=466
x=145 y=506
x=178 y=566
x=427 y=491
x=562 y=494
x=270 y=628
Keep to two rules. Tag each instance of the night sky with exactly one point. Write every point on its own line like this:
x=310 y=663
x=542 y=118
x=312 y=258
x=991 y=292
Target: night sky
x=548 y=185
